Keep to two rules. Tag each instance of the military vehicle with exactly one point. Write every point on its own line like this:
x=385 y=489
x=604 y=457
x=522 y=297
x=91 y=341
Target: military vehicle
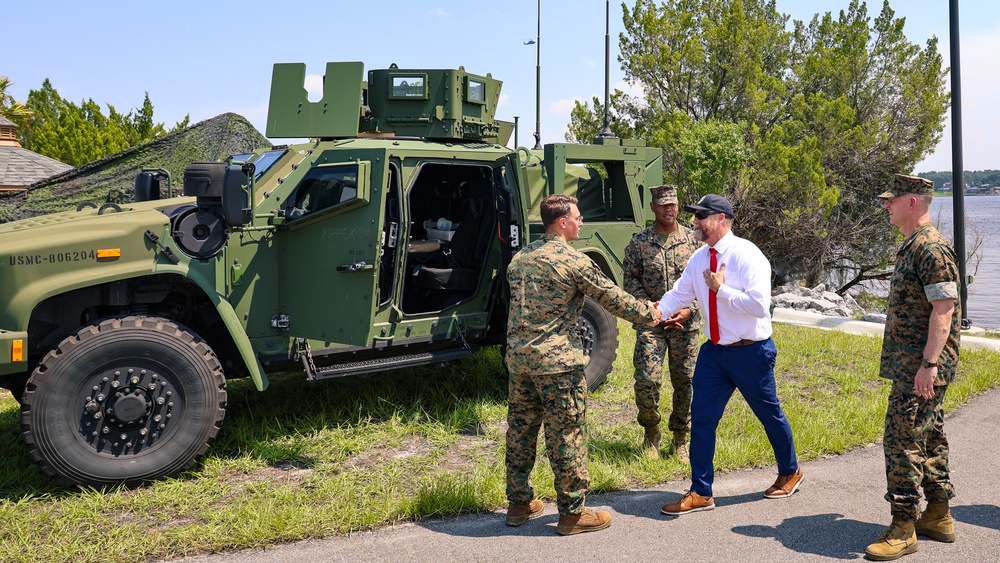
x=381 y=242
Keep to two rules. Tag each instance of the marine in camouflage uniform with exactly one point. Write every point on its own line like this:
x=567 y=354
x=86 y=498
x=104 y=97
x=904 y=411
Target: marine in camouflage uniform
x=654 y=260
x=548 y=282
x=920 y=353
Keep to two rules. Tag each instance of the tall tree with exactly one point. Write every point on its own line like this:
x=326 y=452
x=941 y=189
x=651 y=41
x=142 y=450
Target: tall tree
x=9 y=107
x=801 y=128
x=78 y=134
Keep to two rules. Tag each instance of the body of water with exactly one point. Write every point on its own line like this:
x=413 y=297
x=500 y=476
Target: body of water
x=982 y=218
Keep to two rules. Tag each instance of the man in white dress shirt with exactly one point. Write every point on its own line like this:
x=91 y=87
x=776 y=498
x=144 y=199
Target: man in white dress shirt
x=731 y=279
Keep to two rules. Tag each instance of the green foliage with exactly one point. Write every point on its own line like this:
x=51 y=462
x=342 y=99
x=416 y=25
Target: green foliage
x=79 y=134
x=713 y=154
x=801 y=126
x=9 y=107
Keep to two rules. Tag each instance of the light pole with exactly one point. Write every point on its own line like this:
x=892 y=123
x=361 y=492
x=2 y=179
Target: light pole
x=538 y=79
x=957 y=167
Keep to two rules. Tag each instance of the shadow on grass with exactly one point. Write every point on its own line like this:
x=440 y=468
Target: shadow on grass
x=259 y=422
x=613 y=450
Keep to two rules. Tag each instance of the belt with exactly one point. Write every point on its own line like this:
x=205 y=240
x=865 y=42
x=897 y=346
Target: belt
x=744 y=342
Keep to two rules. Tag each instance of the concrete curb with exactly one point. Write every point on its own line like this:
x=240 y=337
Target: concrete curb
x=816 y=320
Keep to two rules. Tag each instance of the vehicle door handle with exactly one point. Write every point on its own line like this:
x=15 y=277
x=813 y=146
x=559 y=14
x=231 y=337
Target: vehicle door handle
x=355 y=267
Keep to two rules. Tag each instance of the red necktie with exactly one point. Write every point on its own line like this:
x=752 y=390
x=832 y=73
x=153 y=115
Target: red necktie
x=713 y=313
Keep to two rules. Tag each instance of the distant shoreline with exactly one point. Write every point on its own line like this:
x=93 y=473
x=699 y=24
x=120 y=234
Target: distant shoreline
x=952 y=194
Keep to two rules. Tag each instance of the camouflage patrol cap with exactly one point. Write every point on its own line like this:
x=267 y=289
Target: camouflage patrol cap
x=664 y=195
x=903 y=184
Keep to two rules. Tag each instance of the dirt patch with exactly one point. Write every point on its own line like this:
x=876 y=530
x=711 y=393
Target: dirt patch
x=467 y=453
x=463 y=455
x=288 y=472
x=412 y=445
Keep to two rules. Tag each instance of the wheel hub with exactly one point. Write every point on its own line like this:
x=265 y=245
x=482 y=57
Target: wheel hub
x=126 y=409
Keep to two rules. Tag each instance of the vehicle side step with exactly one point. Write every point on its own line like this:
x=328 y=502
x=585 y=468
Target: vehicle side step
x=385 y=364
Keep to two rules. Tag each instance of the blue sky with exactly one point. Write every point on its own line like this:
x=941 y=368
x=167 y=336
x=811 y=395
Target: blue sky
x=210 y=57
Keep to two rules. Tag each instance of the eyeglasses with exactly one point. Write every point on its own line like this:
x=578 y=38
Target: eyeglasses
x=704 y=214
x=578 y=218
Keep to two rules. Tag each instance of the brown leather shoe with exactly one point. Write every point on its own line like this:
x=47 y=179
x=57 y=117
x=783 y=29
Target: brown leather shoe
x=785 y=485
x=651 y=442
x=692 y=502
x=586 y=521
x=518 y=514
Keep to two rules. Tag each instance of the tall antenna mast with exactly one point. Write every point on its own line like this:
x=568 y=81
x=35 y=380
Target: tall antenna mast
x=538 y=81
x=607 y=133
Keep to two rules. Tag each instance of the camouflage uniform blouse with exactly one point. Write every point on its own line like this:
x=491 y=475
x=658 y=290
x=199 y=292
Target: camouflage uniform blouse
x=925 y=271
x=548 y=281
x=653 y=265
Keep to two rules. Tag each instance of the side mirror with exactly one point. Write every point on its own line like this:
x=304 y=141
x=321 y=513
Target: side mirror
x=147 y=184
x=235 y=201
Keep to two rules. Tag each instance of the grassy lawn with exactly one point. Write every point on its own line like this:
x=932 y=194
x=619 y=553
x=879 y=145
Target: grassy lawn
x=306 y=460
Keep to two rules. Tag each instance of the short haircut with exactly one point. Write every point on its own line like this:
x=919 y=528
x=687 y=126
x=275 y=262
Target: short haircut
x=555 y=206
x=926 y=199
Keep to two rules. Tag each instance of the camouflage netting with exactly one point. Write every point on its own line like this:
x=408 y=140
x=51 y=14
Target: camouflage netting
x=113 y=178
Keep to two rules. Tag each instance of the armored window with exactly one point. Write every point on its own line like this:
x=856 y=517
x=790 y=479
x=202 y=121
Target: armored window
x=323 y=187
x=409 y=87
x=264 y=162
x=475 y=91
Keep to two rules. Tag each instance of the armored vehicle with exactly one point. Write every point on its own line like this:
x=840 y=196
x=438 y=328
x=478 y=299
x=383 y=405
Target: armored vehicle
x=379 y=243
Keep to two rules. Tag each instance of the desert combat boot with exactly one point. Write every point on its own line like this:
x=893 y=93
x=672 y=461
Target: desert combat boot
x=586 y=521
x=680 y=444
x=518 y=514
x=651 y=442
x=899 y=540
x=936 y=522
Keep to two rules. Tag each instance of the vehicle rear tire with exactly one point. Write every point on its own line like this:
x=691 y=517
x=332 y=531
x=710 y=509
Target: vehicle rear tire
x=124 y=401
x=598 y=330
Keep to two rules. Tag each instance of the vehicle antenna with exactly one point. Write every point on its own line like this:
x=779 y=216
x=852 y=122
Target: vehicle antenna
x=607 y=133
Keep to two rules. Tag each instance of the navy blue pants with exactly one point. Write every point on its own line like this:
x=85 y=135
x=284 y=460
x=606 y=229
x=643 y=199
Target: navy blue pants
x=720 y=371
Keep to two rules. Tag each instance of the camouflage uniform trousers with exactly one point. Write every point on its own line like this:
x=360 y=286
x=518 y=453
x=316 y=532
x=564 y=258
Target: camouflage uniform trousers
x=560 y=401
x=916 y=450
x=651 y=345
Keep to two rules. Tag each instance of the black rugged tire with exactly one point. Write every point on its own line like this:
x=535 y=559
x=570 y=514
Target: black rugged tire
x=598 y=330
x=146 y=379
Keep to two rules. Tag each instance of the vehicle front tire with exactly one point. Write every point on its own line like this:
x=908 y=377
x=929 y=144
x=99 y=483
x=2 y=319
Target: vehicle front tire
x=598 y=330
x=127 y=400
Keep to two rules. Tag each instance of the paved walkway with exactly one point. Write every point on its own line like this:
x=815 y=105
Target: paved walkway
x=836 y=513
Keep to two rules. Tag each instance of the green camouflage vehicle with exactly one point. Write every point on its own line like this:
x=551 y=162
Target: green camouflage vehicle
x=381 y=243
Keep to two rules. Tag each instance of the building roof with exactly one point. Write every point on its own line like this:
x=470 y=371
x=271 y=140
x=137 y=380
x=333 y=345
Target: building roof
x=19 y=167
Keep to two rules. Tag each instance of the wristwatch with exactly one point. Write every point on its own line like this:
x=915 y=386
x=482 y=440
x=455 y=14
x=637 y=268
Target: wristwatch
x=928 y=364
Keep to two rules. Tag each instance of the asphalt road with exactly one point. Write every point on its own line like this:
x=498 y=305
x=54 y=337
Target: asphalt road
x=837 y=511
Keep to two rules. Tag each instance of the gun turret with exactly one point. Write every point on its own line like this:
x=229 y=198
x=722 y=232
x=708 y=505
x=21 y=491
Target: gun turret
x=441 y=104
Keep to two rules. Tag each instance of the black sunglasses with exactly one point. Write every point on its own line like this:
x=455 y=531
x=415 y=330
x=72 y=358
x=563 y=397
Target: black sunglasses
x=704 y=214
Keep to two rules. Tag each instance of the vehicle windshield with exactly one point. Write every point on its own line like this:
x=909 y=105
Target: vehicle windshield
x=262 y=163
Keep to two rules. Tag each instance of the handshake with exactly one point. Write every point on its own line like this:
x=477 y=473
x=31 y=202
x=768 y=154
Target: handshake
x=656 y=313
x=673 y=323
